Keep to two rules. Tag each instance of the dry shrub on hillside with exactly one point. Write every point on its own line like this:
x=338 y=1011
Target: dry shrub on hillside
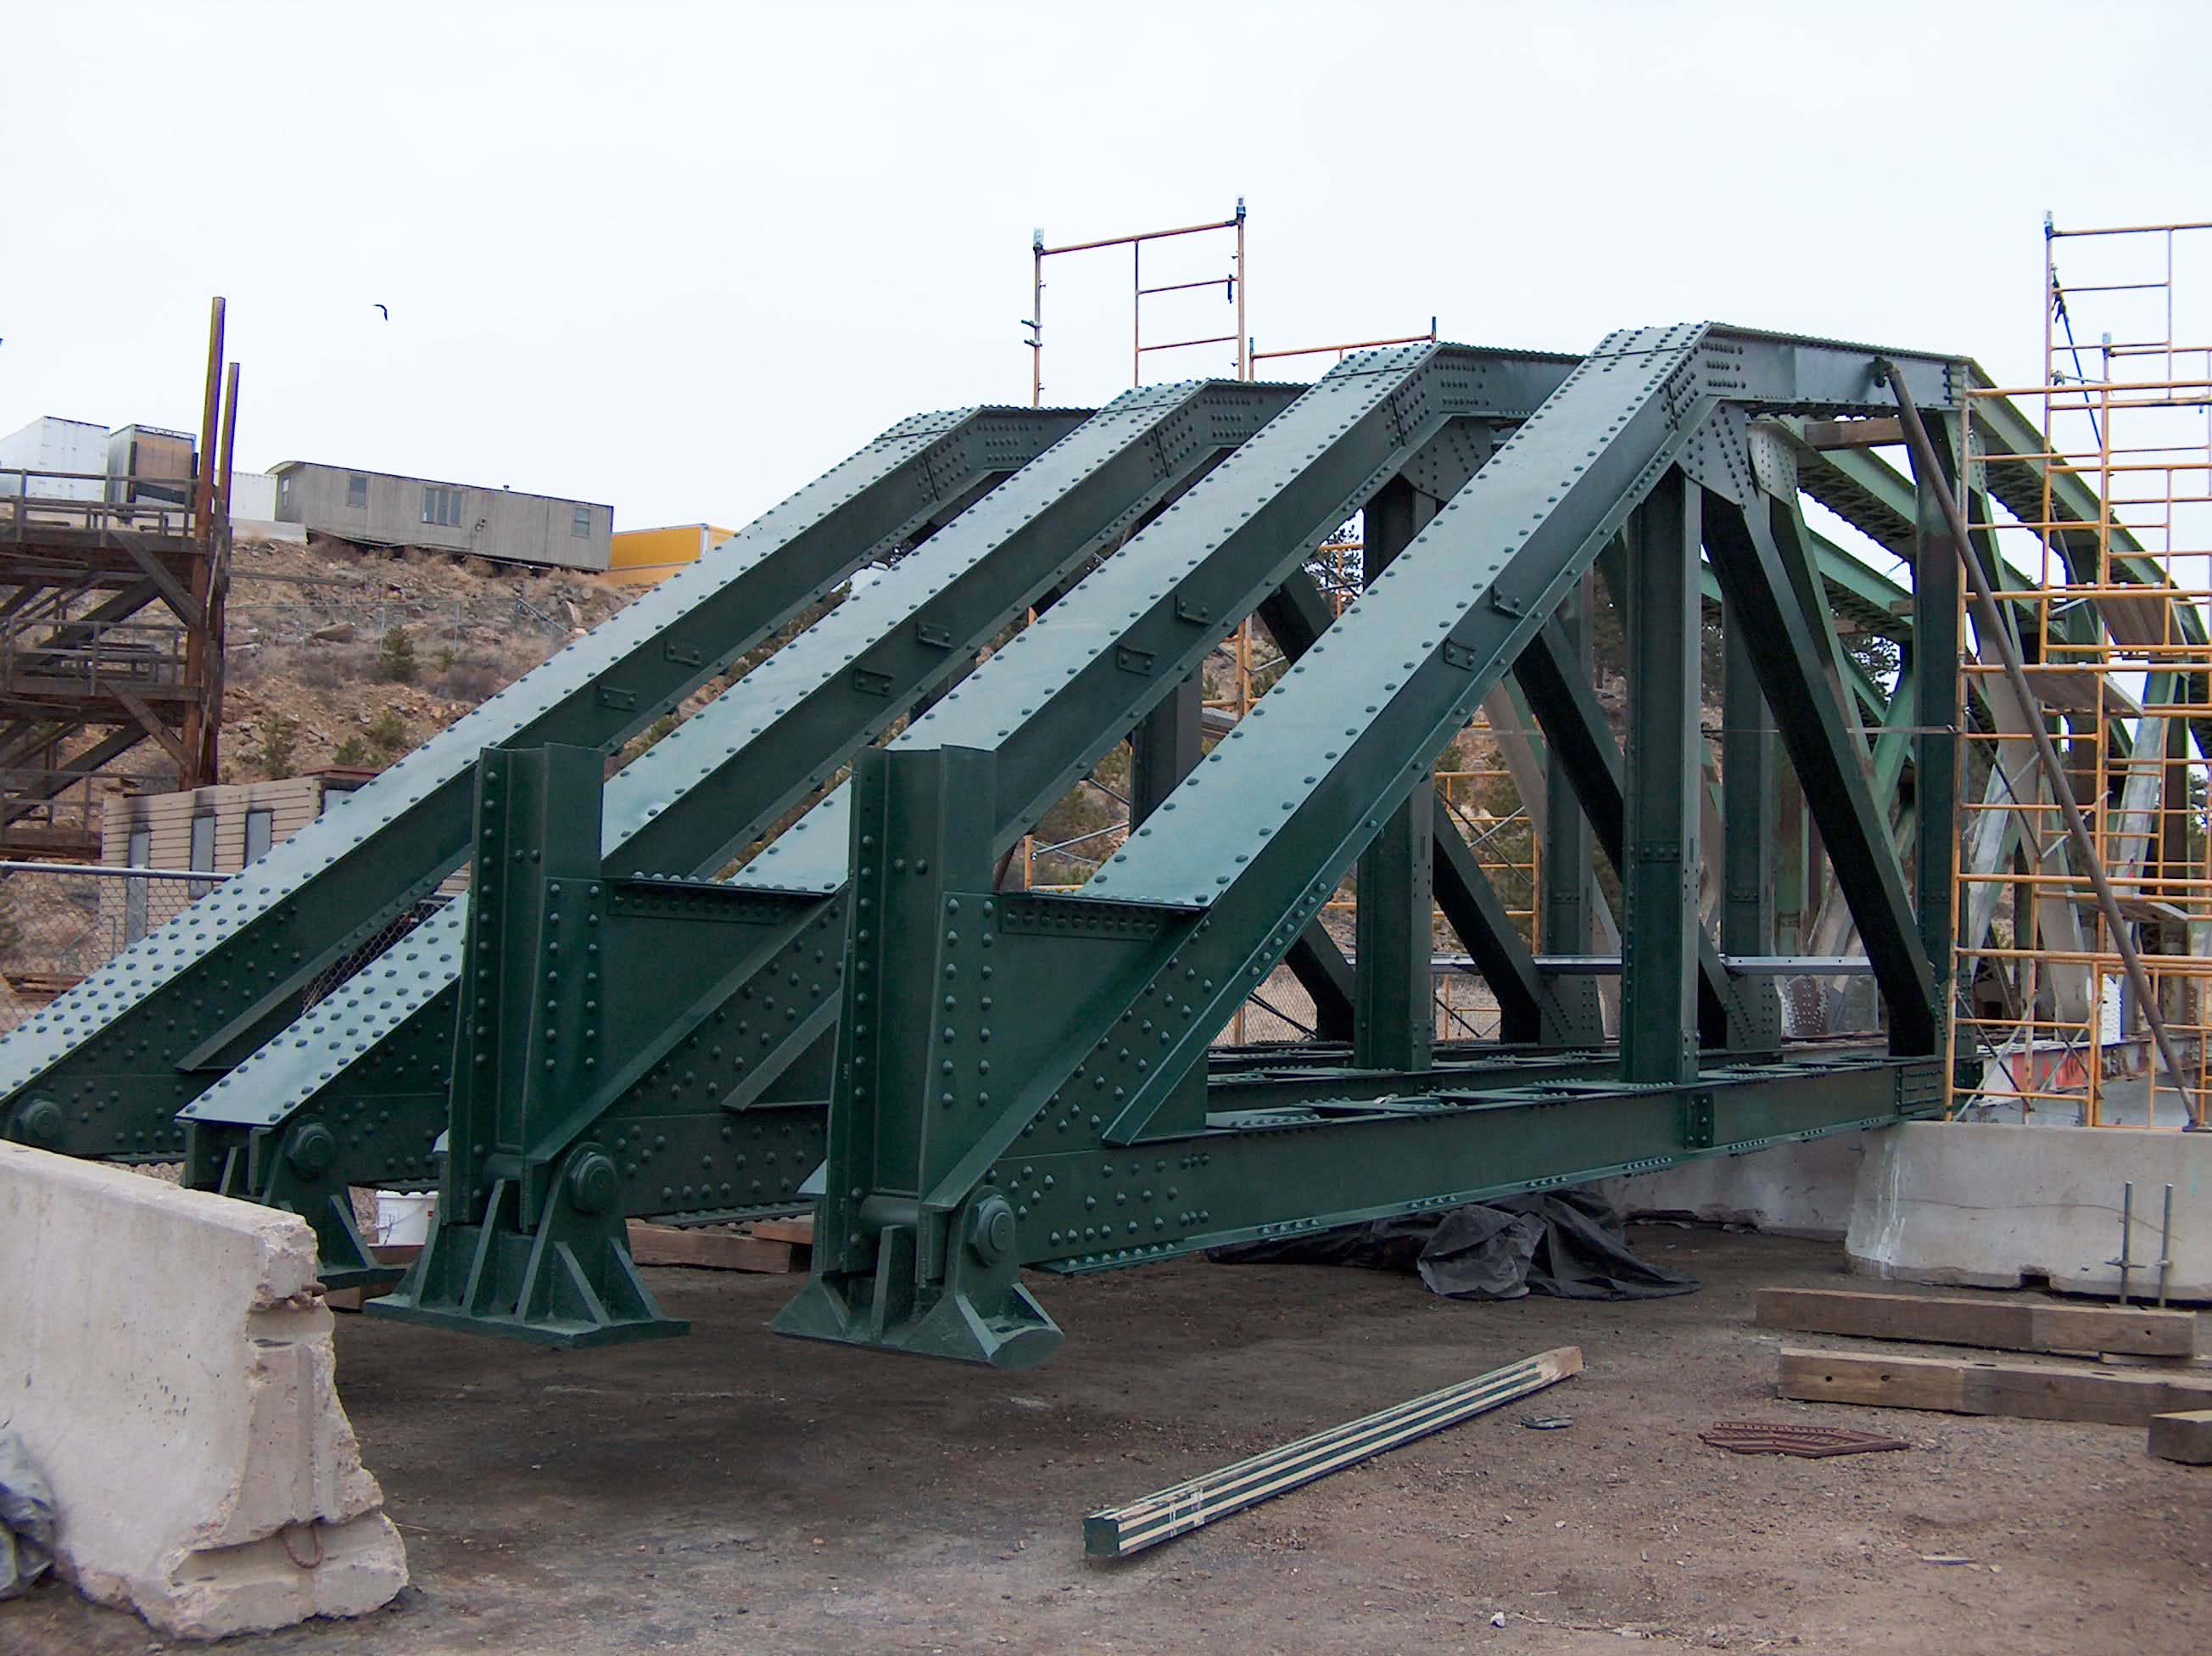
x=470 y=679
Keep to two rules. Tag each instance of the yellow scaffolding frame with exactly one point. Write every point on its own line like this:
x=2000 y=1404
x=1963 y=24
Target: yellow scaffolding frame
x=2114 y=635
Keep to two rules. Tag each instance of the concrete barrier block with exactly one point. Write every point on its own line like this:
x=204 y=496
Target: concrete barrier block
x=169 y=1364
x=1787 y=1189
x=1989 y=1204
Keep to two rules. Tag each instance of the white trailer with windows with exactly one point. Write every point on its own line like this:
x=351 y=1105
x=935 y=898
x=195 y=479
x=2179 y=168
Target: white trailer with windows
x=378 y=508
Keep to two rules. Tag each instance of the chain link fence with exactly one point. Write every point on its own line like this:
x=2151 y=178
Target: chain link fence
x=60 y=922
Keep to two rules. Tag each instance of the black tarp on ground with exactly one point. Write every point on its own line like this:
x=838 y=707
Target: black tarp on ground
x=1569 y=1244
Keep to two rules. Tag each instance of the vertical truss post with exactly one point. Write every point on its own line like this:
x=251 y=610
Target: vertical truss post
x=1163 y=747
x=1748 y=797
x=1936 y=649
x=534 y=845
x=1659 y=926
x=1395 y=1026
x=914 y=1060
x=530 y=1251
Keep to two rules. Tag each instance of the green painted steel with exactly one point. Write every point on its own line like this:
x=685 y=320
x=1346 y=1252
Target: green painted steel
x=1748 y=798
x=1072 y=1124
x=118 y=1056
x=1659 y=930
x=371 y=1061
x=1227 y=545
x=653 y=1003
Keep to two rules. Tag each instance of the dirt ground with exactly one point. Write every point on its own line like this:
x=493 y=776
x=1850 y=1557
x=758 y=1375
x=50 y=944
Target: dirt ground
x=738 y=1492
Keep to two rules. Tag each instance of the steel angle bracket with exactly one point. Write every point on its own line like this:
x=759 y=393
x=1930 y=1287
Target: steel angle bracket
x=977 y=1310
x=300 y=1172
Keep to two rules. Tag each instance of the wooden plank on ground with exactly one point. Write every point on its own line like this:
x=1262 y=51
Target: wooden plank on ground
x=799 y=1232
x=2186 y=1437
x=387 y=1253
x=2000 y=1323
x=2024 y=1390
x=667 y=1244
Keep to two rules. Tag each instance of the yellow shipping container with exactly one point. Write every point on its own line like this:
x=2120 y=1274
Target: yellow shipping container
x=642 y=557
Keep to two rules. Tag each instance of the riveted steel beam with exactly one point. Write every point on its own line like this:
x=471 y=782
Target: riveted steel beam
x=373 y=1057
x=1660 y=929
x=1423 y=398
x=116 y=1058
x=937 y=1140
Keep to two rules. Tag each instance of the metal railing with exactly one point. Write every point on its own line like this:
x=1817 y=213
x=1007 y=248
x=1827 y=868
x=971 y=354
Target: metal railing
x=25 y=512
x=93 y=656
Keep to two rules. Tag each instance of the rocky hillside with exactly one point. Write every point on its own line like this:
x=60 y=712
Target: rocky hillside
x=338 y=656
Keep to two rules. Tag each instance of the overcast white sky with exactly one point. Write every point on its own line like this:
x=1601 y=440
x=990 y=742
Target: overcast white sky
x=682 y=258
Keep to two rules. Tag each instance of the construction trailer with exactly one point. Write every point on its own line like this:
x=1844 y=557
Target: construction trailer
x=220 y=829
x=149 y=464
x=651 y=1002
x=376 y=508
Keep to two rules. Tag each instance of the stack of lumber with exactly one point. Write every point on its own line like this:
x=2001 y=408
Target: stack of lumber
x=774 y=1245
x=2163 y=1387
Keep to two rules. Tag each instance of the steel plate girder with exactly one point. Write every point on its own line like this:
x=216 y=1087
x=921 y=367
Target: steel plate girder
x=649 y=1084
x=1241 y=570
x=144 y=1035
x=701 y=794
x=1289 y=1174
x=720 y=779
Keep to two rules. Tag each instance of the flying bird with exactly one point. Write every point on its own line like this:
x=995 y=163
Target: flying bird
x=387 y=314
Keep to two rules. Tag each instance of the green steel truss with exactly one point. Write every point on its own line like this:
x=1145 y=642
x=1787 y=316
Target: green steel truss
x=105 y=1070
x=966 y=1082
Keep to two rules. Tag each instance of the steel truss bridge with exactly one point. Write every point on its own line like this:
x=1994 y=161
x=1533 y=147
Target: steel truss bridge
x=965 y=1080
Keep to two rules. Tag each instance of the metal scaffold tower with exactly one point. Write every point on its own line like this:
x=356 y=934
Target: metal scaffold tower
x=2104 y=555
x=785 y=958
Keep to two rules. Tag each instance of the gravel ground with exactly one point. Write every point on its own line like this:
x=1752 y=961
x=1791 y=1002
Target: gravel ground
x=738 y=1492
